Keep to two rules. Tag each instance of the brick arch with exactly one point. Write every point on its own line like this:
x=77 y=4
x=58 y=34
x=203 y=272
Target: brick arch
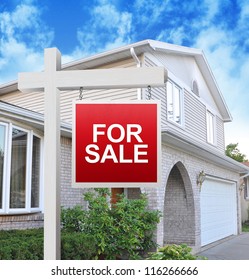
x=179 y=207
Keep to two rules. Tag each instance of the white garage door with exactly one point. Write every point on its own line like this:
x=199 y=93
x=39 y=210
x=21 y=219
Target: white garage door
x=218 y=210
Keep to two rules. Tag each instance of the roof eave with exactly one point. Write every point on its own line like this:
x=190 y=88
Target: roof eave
x=30 y=118
x=8 y=87
x=141 y=47
x=202 y=151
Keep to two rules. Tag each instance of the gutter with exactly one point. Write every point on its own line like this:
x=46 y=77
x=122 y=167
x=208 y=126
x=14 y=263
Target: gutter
x=244 y=176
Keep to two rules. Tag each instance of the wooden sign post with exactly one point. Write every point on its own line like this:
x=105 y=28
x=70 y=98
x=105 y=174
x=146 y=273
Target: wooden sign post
x=51 y=81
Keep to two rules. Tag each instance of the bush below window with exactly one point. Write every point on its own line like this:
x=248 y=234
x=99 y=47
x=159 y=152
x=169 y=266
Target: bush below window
x=28 y=245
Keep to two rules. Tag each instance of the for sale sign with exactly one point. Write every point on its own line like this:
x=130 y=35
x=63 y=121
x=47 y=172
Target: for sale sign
x=116 y=144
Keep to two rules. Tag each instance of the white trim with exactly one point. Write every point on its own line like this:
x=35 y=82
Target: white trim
x=29 y=118
x=7 y=172
x=124 y=184
x=42 y=177
x=220 y=179
x=4 y=167
x=209 y=113
x=181 y=104
x=25 y=209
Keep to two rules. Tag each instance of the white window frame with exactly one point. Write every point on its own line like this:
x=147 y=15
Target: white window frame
x=211 y=127
x=7 y=172
x=4 y=167
x=181 y=101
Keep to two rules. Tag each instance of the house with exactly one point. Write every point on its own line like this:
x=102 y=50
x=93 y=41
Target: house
x=199 y=195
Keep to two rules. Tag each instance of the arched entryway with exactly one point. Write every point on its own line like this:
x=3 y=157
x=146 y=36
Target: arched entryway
x=179 y=210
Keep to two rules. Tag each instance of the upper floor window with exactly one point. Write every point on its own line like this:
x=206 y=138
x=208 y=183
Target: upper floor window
x=210 y=127
x=174 y=102
x=20 y=170
x=195 y=88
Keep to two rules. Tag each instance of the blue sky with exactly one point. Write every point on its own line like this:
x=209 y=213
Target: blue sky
x=79 y=28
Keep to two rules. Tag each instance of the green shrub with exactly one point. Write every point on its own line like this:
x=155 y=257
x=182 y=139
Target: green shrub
x=71 y=219
x=21 y=244
x=77 y=246
x=245 y=227
x=173 y=252
x=28 y=245
x=122 y=231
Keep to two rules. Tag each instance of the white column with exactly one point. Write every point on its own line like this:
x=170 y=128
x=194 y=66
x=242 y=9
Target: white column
x=52 y=157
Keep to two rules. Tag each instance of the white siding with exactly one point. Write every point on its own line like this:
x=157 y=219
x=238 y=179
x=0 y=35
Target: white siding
x=158 y=93
x=195 y=117
x=35 y=101
x=186 y=70
x=220 y=134
x=31 y=101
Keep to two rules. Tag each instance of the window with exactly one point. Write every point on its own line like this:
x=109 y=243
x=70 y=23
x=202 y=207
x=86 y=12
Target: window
x=174 y=103
x=195 y=88
x=210 y=127
x=2 y=161
x=20 y=170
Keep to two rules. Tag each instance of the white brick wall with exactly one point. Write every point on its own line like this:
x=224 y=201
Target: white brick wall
x=178 y=226
x=180 y=222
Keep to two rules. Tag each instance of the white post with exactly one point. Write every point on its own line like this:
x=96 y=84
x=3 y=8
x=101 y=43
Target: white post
x=52 y=157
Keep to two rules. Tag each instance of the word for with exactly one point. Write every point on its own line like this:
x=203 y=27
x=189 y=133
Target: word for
x=116 y=133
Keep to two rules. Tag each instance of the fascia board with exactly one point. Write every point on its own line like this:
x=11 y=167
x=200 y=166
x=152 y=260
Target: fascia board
x=201 y=150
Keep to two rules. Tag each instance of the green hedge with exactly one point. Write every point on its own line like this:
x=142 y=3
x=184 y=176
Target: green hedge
x=21 y=244
x=77 y=246
x=28 y=245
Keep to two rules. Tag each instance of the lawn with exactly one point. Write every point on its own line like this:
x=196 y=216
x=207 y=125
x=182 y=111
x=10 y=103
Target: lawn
x=245 y=227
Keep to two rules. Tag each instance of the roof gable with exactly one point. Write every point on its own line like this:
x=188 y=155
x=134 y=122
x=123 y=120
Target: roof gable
x=141 y=47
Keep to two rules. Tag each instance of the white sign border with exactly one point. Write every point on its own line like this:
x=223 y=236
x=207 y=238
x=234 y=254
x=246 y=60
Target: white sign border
x=113 y=184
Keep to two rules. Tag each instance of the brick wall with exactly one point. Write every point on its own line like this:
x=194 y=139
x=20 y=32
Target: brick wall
x=9 y=222
x=183 y=223
x=69 y=196
x=178 y=198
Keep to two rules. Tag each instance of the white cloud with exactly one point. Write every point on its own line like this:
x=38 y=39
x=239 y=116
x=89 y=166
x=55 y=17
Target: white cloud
x=224 y=48
x=23 y=38
x=109 y=28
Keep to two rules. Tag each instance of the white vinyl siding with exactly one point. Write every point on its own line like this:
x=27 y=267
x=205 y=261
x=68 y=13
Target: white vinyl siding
x=220 y=134
x=210 y=128
x=35 y=101
x=194 y=117
x=157 y=93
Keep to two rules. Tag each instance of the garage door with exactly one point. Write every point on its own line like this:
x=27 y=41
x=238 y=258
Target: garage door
x=218 y=210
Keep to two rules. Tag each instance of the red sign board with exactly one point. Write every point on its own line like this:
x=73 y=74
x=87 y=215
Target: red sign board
x=116 y=144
